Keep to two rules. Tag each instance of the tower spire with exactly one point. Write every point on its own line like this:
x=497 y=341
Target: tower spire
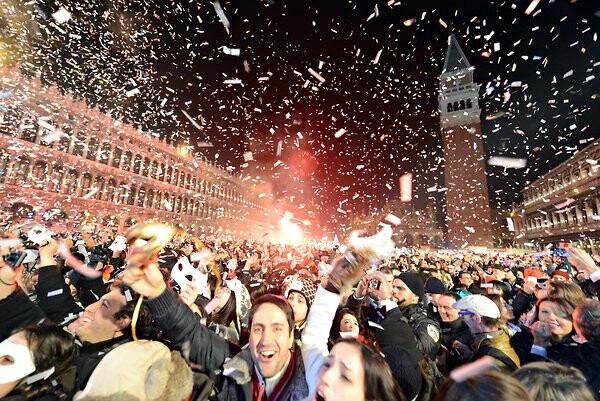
x=455 y=57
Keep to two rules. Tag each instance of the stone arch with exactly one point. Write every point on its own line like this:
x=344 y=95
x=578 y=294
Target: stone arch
x=123 y=193
x=39 y=173
x=149 y=199
x=105 y=152
x=449 y=108
x=146 y=167
x=71 y=182
x=131 y=194
x=100 y=183
x=127 y=160
x=4 y=165
x=20 y=170
x=86 y=183
x=28 y=127
x=154 y=170
x=469 y=104
x=79 y=145
x=117 y=154
x=141 y=196
x=455 y=106
x=462 y=105
x=111 y=190
x=92 y=148
x=137 y=164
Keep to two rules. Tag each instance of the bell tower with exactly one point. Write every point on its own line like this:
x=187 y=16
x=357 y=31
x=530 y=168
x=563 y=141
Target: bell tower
x=467 y=209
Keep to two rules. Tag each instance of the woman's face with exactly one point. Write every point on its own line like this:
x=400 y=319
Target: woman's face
x=342 y=376
x=507 y=311
x=349 y=324
x=8 y=362
x=560 y=324
x=221 y=297
x=299 y=306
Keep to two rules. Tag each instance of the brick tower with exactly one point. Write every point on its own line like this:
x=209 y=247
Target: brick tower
x=467 y=208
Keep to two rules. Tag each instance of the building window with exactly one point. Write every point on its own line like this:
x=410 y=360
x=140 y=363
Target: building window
x=116 y=157
x=92 y=149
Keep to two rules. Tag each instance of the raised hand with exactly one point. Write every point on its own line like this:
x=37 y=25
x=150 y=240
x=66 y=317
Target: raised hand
x=145 y=279
x=582 y=260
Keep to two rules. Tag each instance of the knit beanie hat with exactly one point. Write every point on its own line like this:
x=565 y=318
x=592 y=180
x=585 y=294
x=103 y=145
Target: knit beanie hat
x=434 y=286
x=414 y=282
x=305 y=287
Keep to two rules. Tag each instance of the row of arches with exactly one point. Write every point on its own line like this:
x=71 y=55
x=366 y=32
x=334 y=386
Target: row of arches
x=459 y=105
x=24 y=126
x=55 y=177
x=583 y=212
x=560 y=181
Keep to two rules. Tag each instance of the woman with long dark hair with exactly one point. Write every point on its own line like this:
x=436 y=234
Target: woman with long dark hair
x=32 y=359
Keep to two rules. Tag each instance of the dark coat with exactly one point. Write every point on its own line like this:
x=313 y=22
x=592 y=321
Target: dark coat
x=224 y=363
x=18 y=311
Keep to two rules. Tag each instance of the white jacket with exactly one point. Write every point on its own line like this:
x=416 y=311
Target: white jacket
x=316 y=333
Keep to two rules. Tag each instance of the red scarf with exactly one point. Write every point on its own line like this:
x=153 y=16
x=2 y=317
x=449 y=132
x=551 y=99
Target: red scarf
x=279 y=393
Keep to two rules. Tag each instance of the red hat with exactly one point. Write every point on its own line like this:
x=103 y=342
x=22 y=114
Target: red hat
x=533 y=273
x=562 y=273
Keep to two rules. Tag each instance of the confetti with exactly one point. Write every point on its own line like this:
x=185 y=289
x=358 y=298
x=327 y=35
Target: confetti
x=507 y=162
x=406 y=187
x=61 y=16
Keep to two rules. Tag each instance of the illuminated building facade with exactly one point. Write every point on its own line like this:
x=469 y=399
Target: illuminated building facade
x=563 y=204
x=56 y=152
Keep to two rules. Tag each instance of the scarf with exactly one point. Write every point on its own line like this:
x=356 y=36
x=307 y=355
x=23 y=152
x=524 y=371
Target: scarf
x=279 y=393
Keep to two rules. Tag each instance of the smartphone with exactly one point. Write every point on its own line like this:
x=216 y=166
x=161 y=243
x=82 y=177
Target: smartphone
x=15 y=258
x=375 y=284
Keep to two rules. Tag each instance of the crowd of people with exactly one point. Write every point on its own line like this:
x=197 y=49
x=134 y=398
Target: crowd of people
x=156 y=314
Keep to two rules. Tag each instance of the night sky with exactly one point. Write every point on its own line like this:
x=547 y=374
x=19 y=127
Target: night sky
x=343 y=142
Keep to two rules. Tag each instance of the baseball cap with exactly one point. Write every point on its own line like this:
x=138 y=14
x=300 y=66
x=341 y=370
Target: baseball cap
x=477 y=304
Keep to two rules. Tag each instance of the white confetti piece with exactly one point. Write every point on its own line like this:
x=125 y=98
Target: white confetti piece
x=231 y=51
x=470 y=229
x=234 y=81
x=248 y=156
x=507 y=162
x=339 y=133
x=394 y=220
x=316 y=75
x=377 y=56
x=61 y=16
x=564 y=204
x=132 y=92
x=92 y=192
x=531 y=7
x=442 y=23
x=406 y=187
x=222 y=16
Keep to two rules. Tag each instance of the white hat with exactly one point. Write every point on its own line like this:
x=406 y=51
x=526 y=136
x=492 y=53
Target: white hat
x=119 y=244
x=478 y=304
x=139 y=370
